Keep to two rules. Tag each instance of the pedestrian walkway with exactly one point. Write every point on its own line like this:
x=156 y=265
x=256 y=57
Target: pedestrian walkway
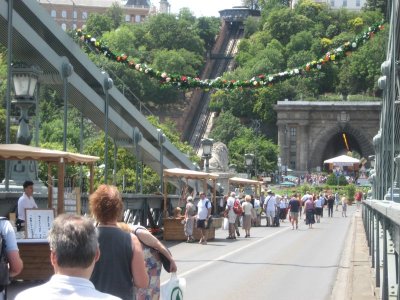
x=355 y=278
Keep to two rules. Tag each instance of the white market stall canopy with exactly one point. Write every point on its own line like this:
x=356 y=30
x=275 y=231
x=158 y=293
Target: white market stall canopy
x=342 y=161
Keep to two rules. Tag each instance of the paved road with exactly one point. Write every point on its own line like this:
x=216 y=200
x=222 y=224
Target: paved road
x=275 y=263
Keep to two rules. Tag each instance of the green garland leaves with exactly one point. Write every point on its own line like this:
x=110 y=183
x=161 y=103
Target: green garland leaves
x=263 y=80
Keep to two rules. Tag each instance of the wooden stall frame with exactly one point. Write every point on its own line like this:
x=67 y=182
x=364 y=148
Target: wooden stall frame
x=52 y=157
x=189 y=174
x=243 y=182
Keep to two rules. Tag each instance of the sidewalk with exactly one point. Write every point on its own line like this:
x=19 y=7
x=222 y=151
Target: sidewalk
x=355 y=278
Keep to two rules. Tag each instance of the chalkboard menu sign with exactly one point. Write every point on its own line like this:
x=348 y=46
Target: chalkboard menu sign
x=38 y=223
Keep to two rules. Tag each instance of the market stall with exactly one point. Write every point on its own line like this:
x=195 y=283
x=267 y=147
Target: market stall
x=173 y=227
x=34 y=251
x=242 y=182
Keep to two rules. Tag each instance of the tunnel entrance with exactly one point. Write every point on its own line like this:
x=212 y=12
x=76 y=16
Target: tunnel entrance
x=341 y=143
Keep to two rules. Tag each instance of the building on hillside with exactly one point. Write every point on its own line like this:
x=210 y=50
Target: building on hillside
x=354 y=5
x=72 y=14
x=165 y=7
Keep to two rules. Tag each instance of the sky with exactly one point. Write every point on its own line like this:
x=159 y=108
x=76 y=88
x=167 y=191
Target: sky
x=203 y=8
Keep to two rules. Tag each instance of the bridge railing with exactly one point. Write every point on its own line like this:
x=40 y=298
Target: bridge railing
x=381 y=220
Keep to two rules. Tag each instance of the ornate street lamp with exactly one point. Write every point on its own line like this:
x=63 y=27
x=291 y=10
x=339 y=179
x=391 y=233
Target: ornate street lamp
x=207 y=148
x=161 y=140
x=232 y=168
x=24 y=78
x=248 y=159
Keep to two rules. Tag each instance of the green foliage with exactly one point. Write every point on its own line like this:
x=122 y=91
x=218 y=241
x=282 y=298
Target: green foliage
x=97 y=24
x=207 y=29
x=332 y=180
x=179 y=61
x=116 y=14
x=350 y=192
x=226 y=127
x=251 y=25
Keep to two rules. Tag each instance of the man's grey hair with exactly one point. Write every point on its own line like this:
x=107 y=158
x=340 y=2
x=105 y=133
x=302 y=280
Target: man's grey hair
x=233 y=194
x=73 y=239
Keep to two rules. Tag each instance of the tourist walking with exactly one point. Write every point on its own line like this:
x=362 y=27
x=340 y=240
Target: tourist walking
x=318 y=207
x=331 y=202
x=203 y=215
x=294 y=208
x=269 y=208
x=74 y=251
x=309 y=212
x=121 y=266
x=247 y=215
x=230 y=214
x=344 y=206
x=190 y=216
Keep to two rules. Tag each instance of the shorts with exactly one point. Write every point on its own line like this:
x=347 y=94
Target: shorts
x=201 y=224
x=270 y=213
x=294 y=215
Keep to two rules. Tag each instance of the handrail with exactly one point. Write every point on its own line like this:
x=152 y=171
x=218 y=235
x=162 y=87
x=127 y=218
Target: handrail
x=381 y=220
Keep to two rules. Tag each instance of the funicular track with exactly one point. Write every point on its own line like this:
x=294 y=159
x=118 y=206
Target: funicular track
x=221 y=62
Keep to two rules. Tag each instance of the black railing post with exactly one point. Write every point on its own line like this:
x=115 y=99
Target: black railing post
x=385 y=279
x=377 y=254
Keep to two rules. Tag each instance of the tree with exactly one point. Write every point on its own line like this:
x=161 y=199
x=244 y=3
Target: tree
x=207 y=29
x=115 y=13
x=97 y=24
x=284 y=22
x=226 y=127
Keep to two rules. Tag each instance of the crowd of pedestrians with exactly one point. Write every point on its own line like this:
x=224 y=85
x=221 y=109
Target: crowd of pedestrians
x=101 y=258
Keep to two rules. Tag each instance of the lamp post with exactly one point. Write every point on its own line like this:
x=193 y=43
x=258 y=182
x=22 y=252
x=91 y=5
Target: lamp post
x=161 y=140
x=207 y=148
x=24 y=78
x=107 y=85
x=248 y=159
x=279 y=169
x=137 y=137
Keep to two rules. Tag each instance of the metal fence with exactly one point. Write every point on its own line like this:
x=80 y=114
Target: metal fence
x=382 y=227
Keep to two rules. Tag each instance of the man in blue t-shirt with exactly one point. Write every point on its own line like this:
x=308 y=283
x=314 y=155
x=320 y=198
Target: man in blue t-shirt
x=294 y=207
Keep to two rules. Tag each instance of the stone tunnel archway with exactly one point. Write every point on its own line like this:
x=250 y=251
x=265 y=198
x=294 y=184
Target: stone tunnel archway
x=330 y=143
x=310 y=132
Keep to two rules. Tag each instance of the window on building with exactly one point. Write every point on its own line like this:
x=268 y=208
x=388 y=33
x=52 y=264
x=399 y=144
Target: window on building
x=75 y=14
x=293 y=165
x=64 y=26
x=358 y=3
x=333 y=3
x=127 y=18
x=137 y=19
x=74 y=26
x=64 y=14
x=84 y=15
x=53 y=13
x=292 y=131
x=344 y=3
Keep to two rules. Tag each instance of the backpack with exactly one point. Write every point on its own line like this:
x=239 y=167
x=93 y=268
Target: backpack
x=237 y=208
x=208 y=206
x=4 y=272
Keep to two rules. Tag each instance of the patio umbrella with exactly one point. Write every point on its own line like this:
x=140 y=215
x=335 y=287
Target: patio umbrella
x=287 y=183
x=342 y=160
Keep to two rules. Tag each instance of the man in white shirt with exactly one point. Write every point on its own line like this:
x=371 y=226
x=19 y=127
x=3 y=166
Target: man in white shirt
x=25 y=201
x=74 y=250
x=269 y=207
x=231 y=215
x=203 y=214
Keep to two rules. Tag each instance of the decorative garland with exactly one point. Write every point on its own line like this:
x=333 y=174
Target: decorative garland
x=263 y=80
